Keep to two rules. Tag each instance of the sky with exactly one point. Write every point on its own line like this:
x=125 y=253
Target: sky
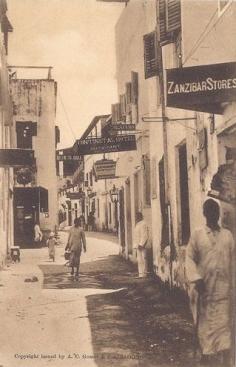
x=77 y=38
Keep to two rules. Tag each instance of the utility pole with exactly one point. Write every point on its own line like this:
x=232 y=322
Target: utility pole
x=165 y=135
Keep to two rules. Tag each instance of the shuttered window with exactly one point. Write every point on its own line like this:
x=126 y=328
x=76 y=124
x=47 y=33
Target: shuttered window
x=147 y=181
x=150 y=55
x=134 y=87
x=169 y=19
x=116 y=112
x=128 y=92
x=122 y=105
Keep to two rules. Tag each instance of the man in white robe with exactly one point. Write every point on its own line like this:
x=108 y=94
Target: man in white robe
x=140 y=244
x=210 y=269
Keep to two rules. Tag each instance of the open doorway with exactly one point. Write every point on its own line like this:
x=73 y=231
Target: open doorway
x=183 y=195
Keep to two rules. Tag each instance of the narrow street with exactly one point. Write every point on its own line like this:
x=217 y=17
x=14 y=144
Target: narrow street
x=104 y=319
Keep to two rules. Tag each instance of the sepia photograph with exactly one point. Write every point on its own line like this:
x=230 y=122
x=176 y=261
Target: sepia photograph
x=117 y=183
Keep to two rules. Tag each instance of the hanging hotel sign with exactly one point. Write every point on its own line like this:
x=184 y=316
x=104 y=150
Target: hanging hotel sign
x=117 y=143
x=105 y=168
x=201 y=88
x=122 y=127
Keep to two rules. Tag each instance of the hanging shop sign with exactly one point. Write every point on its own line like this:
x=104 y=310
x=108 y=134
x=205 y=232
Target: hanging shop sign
x=201 y=88
x=69 y=157
x=117 y=143
x=16 y=157
x=122 y=127
x=105 y=168
x=75 y=195
x=68 y=154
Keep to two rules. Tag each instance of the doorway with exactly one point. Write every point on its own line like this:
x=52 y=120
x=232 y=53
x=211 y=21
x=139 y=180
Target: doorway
x=183 y=207
x=128 y=216
x=121 y=219
x=28 y=203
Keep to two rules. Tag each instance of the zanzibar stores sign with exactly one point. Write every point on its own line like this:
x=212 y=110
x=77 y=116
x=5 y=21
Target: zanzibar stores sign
x=117 y=143
x=201 y=88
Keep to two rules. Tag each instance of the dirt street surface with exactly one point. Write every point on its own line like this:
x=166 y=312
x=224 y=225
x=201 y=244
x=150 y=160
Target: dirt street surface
x=106 y=318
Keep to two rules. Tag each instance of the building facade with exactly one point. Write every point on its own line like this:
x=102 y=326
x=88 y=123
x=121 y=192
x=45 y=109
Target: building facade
x=185 y=131
x=35 y=194
x=198 y=128
x=6 y=143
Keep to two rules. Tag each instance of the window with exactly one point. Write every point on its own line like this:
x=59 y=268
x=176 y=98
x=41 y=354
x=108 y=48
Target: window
x=57 y=135
x=128 y=92
x=164 y=208
x=134 y=87
x=116 y=112
x=169 y=20
x=146 y=181
x=98 y=208
x=24 y=134
x=150 y=55
x=122 y=105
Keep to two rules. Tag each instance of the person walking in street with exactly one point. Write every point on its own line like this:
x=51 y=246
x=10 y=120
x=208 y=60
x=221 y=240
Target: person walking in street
x=51 y=243
x=38 y=236
x=76 y=241
x=140 y=244
x=91 y=221
x=82 y=221
x=209 y=269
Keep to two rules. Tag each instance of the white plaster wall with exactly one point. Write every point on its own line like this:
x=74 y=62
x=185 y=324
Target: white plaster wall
x=136 y=20
x=217 y=43
x=35 y=100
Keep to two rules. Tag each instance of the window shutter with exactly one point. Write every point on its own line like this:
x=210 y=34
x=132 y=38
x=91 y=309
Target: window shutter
x=113 y=112
x=118 y=112
x=147 y=181
x=173 y=15
x=162 y=20
x=122 y=105
x=134 y=87
x=150 y=55
x=57 y=134
x=128 y=89
x=169 y=19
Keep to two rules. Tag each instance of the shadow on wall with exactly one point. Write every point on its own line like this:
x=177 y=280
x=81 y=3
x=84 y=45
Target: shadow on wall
x=173 y=273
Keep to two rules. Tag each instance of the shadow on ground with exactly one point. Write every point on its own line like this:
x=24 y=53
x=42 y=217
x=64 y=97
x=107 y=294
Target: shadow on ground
x=141 y=325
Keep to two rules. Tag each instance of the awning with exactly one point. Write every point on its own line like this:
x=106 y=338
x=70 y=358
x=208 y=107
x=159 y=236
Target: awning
x=201 y=88
x=16 y=157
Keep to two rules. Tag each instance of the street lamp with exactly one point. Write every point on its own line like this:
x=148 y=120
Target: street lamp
x=89 y=191
x=114 y=193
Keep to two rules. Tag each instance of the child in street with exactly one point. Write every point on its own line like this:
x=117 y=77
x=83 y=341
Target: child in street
x=51 y=243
